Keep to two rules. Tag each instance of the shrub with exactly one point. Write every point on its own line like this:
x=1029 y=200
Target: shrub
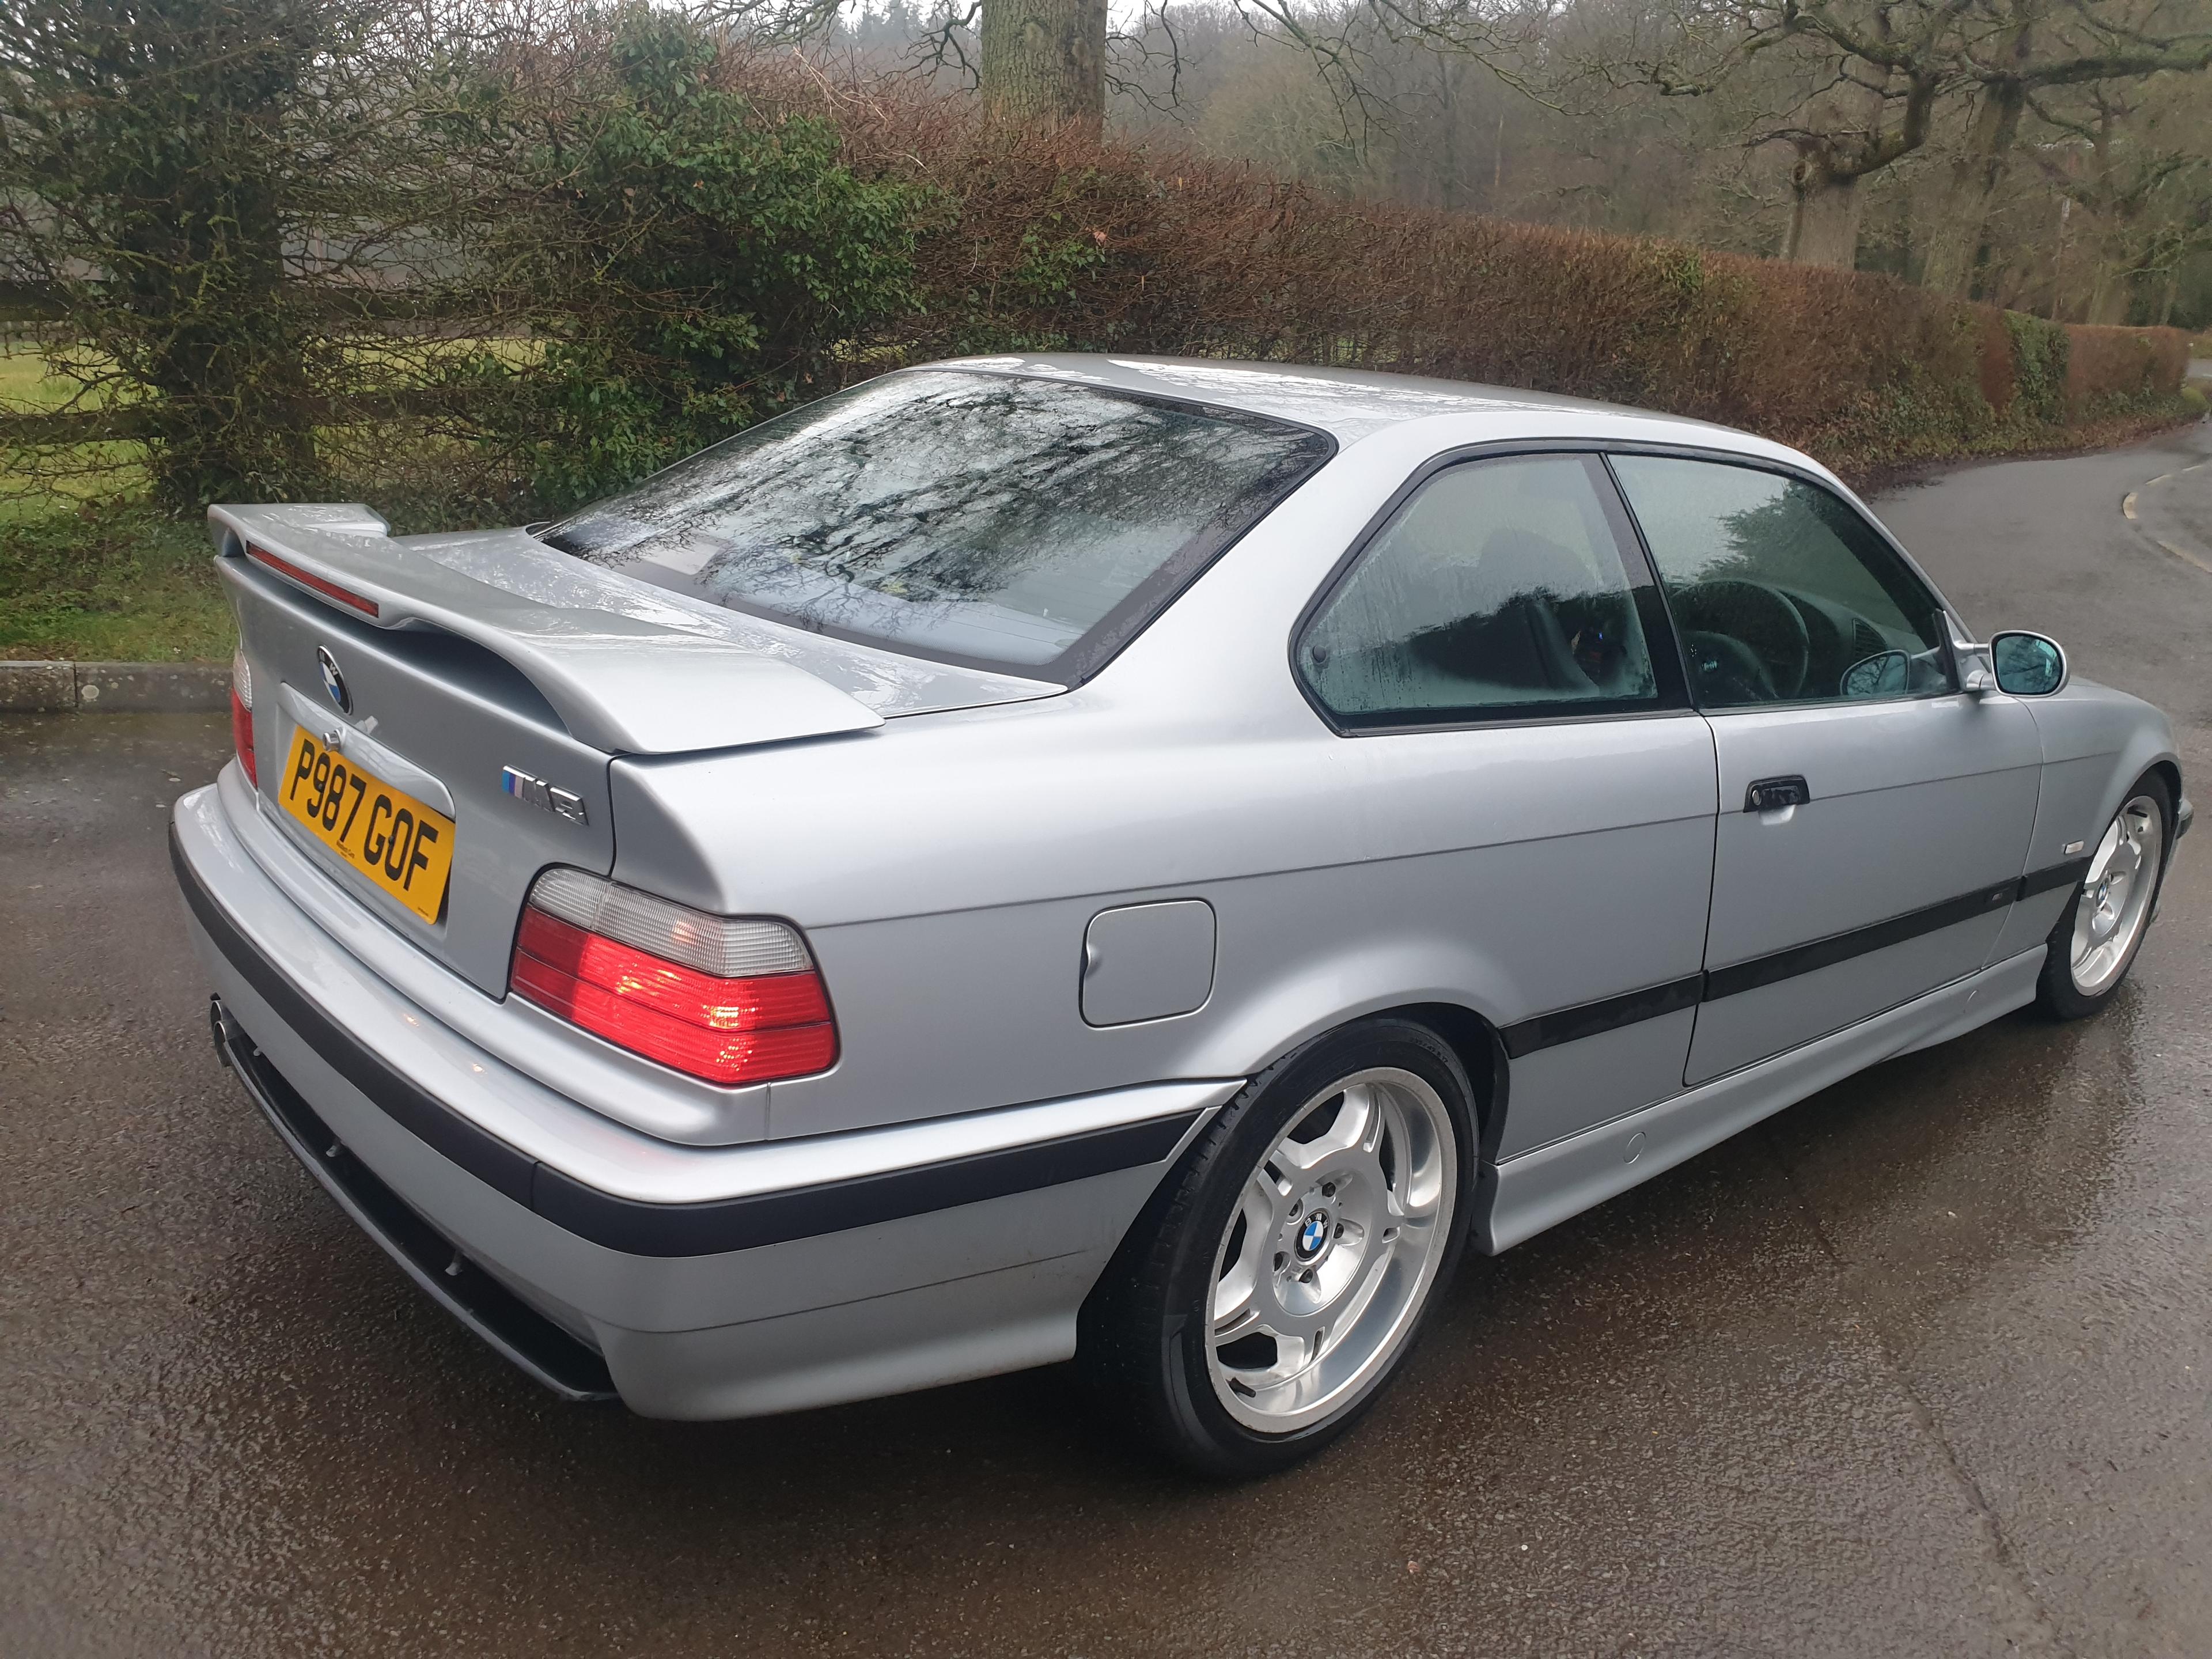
x=691 y=263
x=2041 y=352
x=158 y=167
x=2108 y=365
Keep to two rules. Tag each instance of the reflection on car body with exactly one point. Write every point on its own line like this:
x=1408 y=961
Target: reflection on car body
x=1134 y=859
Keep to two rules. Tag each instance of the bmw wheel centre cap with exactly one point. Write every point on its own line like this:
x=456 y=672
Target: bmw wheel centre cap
x=1313 y=1235
x=333 y=682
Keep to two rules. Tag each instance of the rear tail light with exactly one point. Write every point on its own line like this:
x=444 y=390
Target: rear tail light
x=241 y=714
x=732 y=1001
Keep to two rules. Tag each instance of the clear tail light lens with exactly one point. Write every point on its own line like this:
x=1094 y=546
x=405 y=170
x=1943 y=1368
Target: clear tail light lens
x=731 y=1000
x=241 y=714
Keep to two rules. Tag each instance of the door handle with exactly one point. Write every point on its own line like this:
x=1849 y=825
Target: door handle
x=1772 y=794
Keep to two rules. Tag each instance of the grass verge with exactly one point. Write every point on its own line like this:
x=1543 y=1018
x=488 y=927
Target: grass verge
x=113 y=583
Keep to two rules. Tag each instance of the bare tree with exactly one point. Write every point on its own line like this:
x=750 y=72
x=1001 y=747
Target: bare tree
x=2014 y=49
x=1860 y=126
x=1850 y=86
x=2147 y=203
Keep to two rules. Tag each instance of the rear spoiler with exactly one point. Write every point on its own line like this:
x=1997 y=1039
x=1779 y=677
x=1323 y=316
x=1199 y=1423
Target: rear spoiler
x=627 y=673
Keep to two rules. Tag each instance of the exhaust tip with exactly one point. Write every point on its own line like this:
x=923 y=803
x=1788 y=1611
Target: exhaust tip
x=226 y=1031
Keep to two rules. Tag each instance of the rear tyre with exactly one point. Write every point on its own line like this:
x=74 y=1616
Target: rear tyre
x=2095 y=939
x=1278 y=1278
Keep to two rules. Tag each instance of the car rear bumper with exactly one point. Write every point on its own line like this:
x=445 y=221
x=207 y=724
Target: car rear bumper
x=541 y=1348
x=792 y=1273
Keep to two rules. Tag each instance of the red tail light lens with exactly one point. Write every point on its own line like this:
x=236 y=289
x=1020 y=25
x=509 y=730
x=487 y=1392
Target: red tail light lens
x=242 y=715
x=307 y=579
x=732 y=1001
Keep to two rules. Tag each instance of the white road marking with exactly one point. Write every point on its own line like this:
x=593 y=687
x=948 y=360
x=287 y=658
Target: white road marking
x=2185 y=558
x=2128 y=512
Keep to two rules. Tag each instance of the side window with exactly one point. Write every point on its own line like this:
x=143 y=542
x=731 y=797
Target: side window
x=1501 y=589
x=1782 y=593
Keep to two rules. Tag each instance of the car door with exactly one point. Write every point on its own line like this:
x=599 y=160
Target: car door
x=1498 y=650
x=1873 y=817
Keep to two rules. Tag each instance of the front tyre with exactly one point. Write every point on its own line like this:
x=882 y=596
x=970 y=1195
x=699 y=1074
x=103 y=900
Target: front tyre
x=1278 y=1278
x=2097 y=936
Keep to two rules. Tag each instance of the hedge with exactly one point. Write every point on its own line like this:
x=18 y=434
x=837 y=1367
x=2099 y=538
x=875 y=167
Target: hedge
x=674 y=238
x=1076 y=244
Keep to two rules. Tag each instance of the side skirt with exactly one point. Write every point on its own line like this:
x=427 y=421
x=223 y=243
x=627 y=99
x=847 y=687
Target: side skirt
x=1523 y=1195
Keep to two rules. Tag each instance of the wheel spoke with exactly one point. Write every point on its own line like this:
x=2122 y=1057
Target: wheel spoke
x=2102 y=857
x=1237 y=1286
x=1293 y=1354
x=1236 y=1310
x=1348 y=1131
x=1416 y=1208
x=1374 y=1271
x=1265 y=1197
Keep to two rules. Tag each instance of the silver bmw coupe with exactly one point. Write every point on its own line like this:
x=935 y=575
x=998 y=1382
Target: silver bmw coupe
x=1139 y=860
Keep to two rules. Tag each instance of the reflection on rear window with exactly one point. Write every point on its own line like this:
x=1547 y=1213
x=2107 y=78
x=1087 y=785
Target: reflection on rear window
x=981 y=517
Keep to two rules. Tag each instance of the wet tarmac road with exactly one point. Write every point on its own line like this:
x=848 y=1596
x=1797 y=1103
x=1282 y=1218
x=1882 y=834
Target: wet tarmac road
x=1922 y=1367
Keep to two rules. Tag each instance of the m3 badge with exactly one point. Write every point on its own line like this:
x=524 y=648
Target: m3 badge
x=538 y=792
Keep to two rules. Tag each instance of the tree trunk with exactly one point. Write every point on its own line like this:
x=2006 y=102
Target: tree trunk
x=1447 y=192
x=1044 y=61
x=224 y=354
x=1954 y=245
x=1824 y=218
x=2108 y=297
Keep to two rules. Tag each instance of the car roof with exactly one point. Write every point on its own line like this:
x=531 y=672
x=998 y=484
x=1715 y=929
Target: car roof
x=1351 y=403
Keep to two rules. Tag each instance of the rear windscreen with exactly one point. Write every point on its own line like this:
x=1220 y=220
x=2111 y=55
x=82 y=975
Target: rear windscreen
x=1008 y=521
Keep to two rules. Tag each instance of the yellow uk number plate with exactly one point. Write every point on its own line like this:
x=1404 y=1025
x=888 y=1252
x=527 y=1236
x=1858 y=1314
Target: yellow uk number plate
x=403 y=846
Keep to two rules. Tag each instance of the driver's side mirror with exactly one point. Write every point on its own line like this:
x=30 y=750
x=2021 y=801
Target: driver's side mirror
x=2027 y=665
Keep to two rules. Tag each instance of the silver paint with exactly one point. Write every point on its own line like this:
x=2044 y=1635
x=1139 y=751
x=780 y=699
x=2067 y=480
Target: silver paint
x=1147 y=962
x=950 y=841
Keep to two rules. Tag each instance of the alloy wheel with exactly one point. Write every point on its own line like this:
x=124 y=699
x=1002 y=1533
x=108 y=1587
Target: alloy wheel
x=1326 y=1261
x=2116 y=895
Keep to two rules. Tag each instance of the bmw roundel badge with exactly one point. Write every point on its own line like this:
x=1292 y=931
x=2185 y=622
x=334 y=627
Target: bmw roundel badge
x=333 y=682
x=1313 y=1235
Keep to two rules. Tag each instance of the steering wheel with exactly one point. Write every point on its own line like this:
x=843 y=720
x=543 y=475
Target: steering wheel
x=1726 y=671
x=1757 y=617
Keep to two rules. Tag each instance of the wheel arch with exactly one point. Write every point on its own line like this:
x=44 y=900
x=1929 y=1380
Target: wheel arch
x=1474 y=1042
x=1481 y=1054
x=2167 y=770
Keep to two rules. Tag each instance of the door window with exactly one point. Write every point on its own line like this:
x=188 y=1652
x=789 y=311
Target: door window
x=1782 y=593
x=1500 y=590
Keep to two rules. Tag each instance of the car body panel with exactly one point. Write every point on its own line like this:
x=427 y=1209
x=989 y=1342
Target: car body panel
x=950 y=995
x=645 y=1314
x=2096 y=743
x=1147 y=962
x=1543 y=1187
x=1559 y=1092
x=1733 y=1031
x=1913 y=803
x=1544 y=890
x=459 y=718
